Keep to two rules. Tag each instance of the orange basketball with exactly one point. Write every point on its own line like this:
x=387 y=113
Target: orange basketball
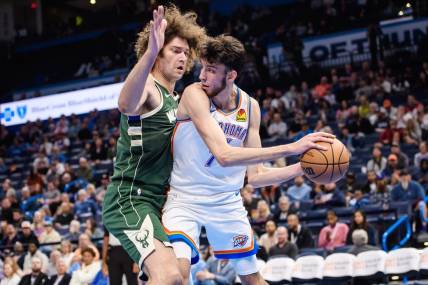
x=326 y=166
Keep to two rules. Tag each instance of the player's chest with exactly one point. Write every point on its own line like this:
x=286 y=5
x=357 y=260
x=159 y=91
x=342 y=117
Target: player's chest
x=235 y=130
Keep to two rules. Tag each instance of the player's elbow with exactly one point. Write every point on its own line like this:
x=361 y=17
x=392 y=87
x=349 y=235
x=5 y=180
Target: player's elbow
x=252 y=180
x=123 y=106
x=225 y=155
x=223 y=160
x=126 y=107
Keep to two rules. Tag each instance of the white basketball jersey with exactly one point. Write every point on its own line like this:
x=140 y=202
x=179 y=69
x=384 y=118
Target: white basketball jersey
x=195 y=169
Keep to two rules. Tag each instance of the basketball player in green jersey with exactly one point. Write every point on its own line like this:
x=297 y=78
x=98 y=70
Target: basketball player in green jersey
x=132 y=206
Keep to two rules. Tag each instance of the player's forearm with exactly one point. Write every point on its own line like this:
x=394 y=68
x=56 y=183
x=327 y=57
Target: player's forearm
x=275 y=175
x=130 y=95
x=244 y=156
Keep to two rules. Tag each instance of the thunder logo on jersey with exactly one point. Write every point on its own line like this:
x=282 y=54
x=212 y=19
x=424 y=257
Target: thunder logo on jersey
x=233 y=130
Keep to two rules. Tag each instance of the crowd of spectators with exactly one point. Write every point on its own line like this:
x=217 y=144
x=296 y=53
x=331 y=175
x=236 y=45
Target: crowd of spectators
x=296 y=17
x=112 y=48
x=54 y=178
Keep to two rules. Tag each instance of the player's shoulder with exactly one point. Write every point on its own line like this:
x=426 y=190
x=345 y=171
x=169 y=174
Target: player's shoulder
x=194 y=92
x=151 y=82
x=150 y=86
x=251 y=100
x=253 y=104
x=255 y=107
x=194 y=87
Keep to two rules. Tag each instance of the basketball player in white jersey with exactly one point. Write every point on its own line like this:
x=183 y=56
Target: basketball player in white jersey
x=216 y=135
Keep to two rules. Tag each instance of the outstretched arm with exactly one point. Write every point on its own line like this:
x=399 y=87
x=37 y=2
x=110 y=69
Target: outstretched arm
x=138 y=85
x=258 y=175
x=195 y=104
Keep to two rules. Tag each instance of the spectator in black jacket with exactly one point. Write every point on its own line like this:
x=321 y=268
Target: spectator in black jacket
x=10 y=238
x=359 y=222
x=283 y=210
x=62 y=277
x=298 y=234
x=36 y=277
x=351 y=183
x=26 y=234
x=98 y=151
x=7 y=211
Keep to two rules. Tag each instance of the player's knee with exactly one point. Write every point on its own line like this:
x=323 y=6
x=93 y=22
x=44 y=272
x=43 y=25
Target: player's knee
x=185 y=274
x=252 y=279
x=168 y=275
x=173 y=278
x=167 y=278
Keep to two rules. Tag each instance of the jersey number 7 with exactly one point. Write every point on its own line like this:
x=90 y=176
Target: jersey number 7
x=211 y=159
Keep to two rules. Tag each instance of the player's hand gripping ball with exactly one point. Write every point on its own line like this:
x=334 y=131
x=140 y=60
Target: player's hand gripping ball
x=326 y=166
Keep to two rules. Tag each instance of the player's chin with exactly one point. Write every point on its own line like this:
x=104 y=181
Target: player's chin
x=210 y=94
x=207 y=91
x=177 y=76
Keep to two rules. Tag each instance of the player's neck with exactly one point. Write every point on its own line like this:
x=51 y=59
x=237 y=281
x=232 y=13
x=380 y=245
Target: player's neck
x=161 y=78
x=226 y=99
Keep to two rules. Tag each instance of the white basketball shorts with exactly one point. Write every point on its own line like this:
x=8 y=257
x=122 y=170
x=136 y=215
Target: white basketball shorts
x=224 y=217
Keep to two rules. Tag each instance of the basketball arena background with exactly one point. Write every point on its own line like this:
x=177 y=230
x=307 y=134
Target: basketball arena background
x=356 y=68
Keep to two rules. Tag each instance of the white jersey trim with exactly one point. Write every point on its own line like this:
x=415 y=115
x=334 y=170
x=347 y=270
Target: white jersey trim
x=130 y=192
x=155 y=110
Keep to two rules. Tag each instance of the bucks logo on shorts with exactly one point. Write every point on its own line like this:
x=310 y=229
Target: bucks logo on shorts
x=141 y=237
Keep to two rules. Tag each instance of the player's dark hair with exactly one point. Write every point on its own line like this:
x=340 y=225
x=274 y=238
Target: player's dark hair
x=225 y=50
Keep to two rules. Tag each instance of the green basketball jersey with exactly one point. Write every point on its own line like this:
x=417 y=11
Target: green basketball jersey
x=144 y=161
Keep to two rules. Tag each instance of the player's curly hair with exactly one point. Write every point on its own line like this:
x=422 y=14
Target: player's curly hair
x=223 y=49
x=178 y=25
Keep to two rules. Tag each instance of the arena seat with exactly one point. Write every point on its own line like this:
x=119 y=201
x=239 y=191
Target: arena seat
x=278 y=270
x=338 y=268
x=308 y=269
x=402 y=261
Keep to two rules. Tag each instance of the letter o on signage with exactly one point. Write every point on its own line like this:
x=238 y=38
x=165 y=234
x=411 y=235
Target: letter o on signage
x=319 y=53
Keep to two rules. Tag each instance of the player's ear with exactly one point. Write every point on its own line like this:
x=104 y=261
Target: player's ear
x=231 y=75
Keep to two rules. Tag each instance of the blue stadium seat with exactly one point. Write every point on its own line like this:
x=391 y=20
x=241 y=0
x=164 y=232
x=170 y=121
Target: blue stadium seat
x=401 y=207
x=105 y=165
x=306 y=205
x=315 y=227
x=372 y=219
x=356 y=168
x=342 y=249
x=62 y=230
x=76 y=144
x=76 y=151
x=311 y=251
x=314 y=214
x=344 y=211
x=371 y=208
x=371 y=139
